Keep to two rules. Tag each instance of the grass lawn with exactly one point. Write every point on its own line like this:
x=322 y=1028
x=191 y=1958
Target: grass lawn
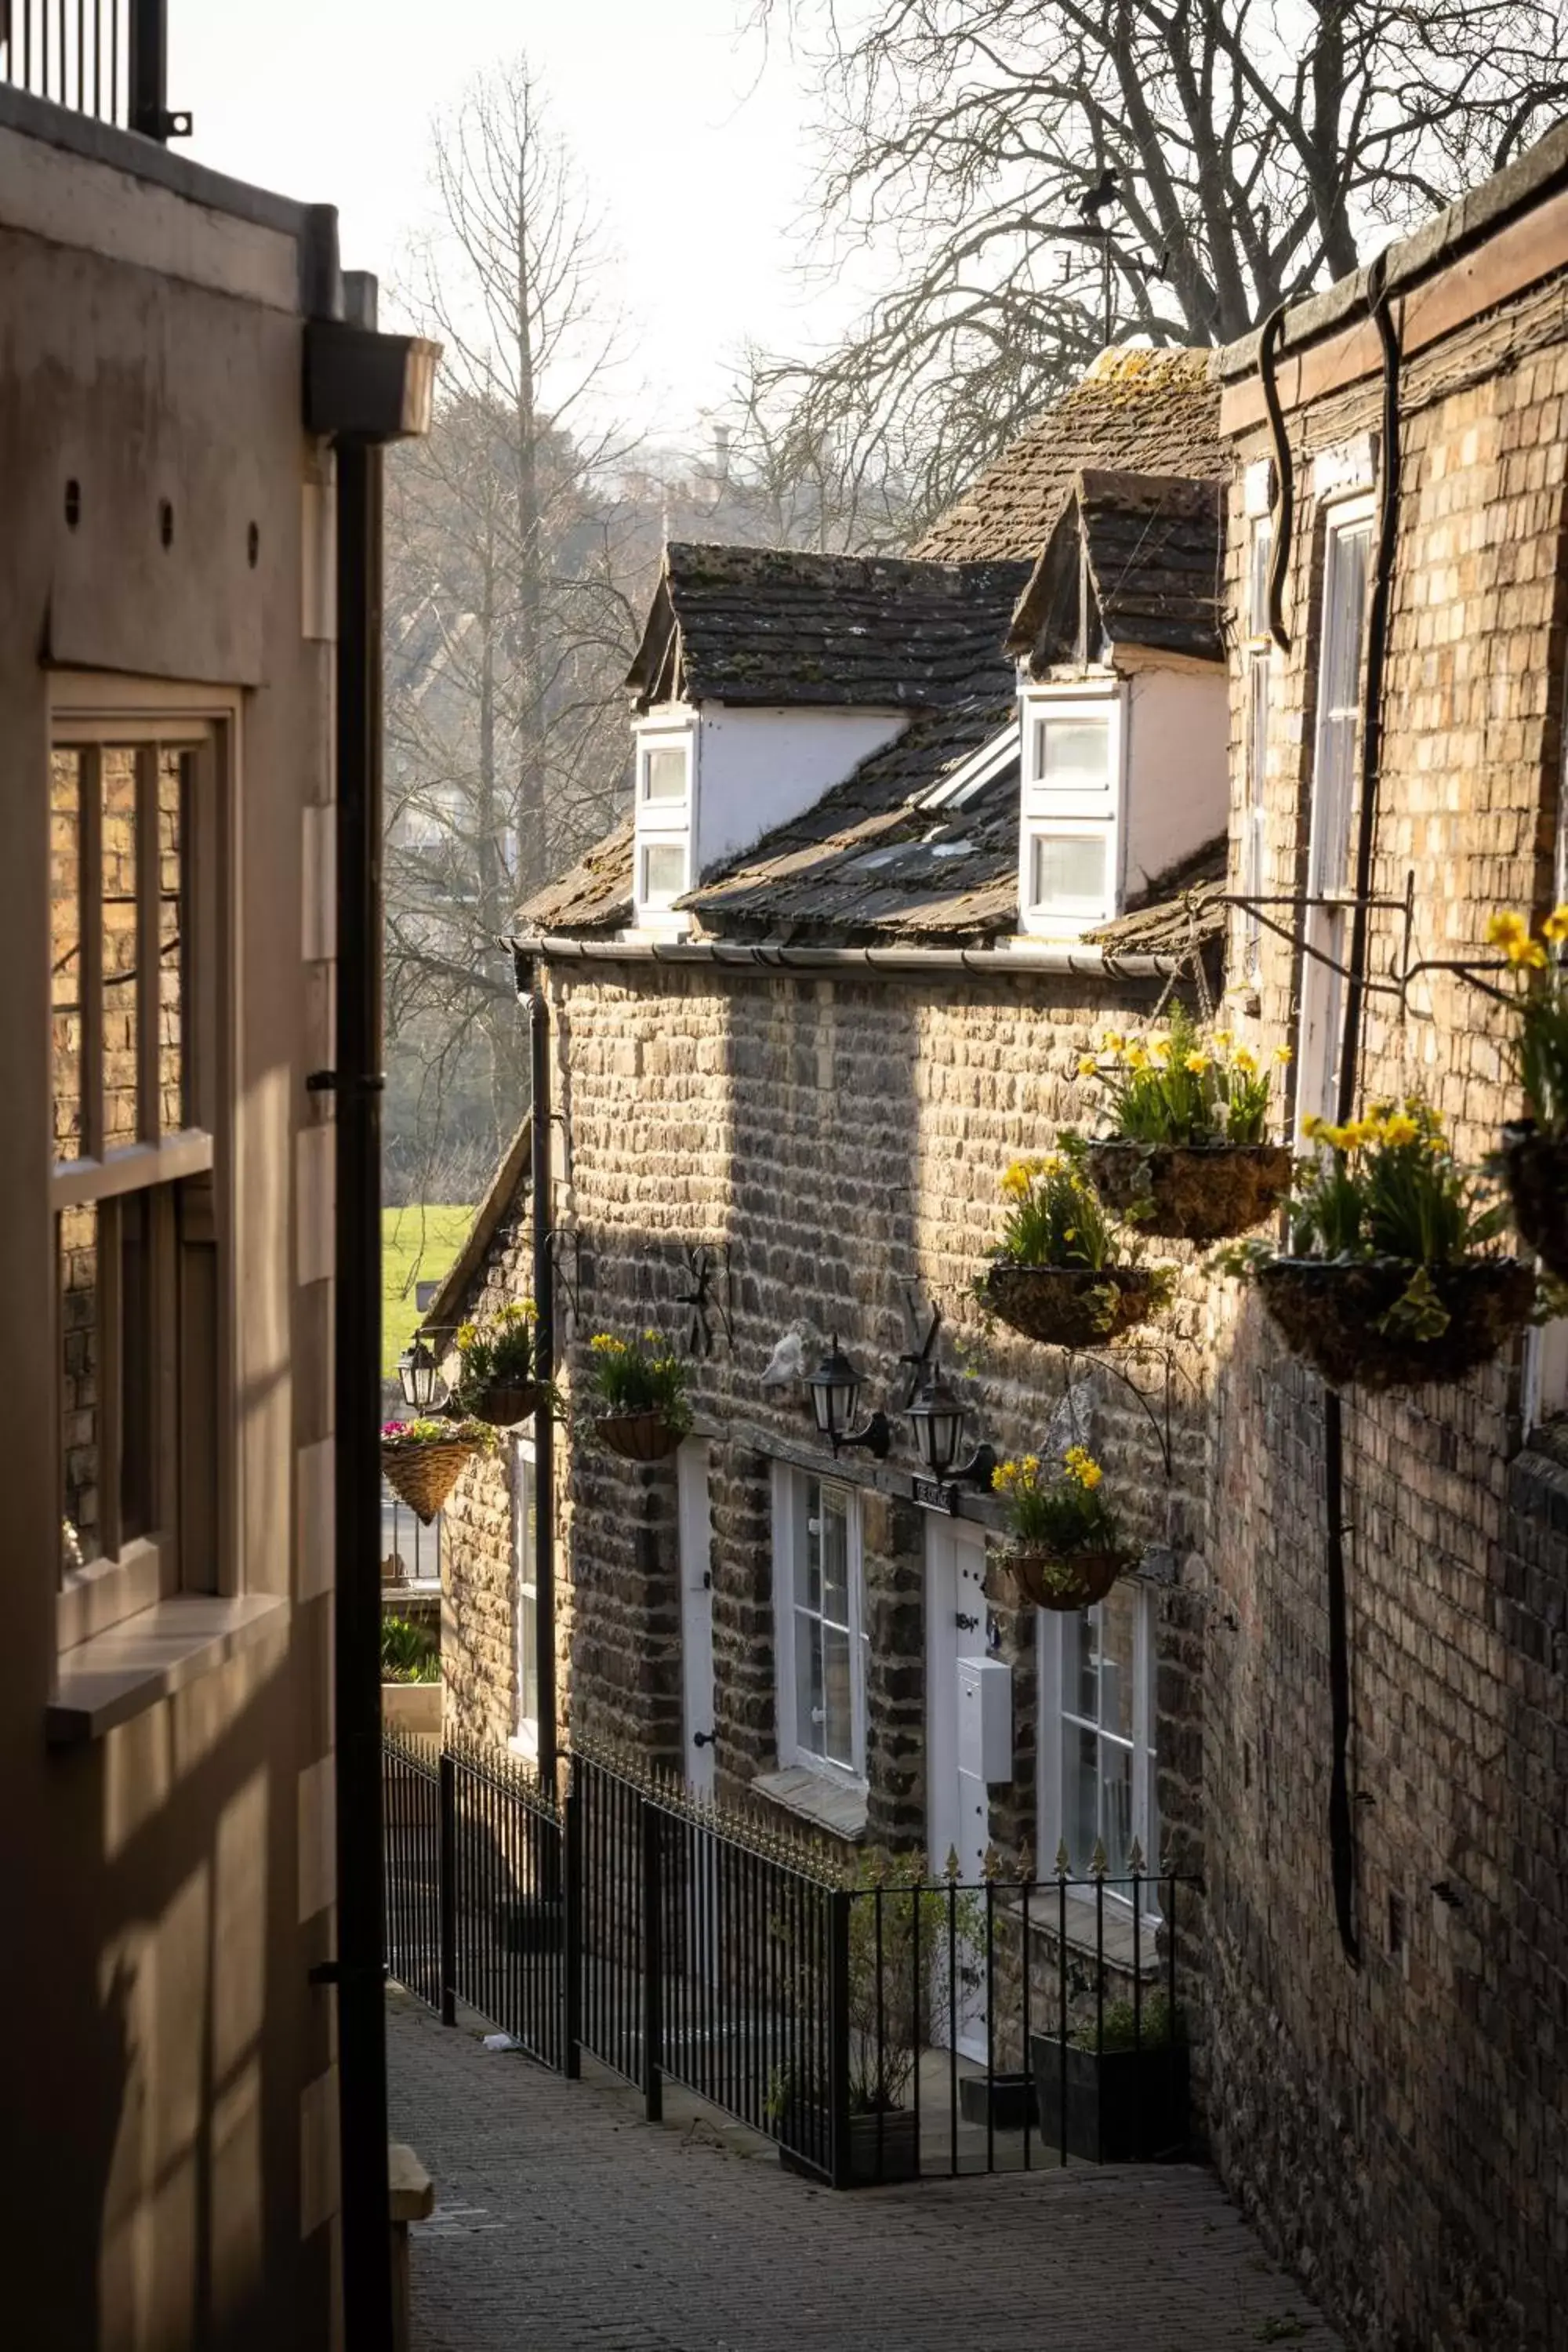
x=417 y=1244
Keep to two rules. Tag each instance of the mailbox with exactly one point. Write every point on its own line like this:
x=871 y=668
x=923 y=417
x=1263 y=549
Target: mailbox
x=985 y=1718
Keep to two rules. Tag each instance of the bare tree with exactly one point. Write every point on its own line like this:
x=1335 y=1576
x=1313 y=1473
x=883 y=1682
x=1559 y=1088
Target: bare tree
x=1211 y=157
x=515 y=576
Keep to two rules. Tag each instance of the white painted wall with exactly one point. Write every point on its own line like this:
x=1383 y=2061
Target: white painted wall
x=756 y=769
x=1178 y=794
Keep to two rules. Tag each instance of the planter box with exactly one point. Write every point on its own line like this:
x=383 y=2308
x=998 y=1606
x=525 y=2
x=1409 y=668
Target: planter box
x=896 y=2145
x=1123 y=2106
x=1006 y=2097
x=413 y=1707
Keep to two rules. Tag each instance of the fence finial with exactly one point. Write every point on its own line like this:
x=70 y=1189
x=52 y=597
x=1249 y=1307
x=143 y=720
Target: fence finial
x=1099 y=1862
x=1063 y=1859
x=1024 y=1867
x=952 y=1868
x=990 y=1866
x=1135 y=1859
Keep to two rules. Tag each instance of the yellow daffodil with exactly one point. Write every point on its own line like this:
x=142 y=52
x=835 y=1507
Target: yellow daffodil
x=1504 y=928
x=1222 y=1036
x=1527 y=951
x=1244 y=1060
x=1113 y=1041
x=1198 y=1062
x=1555 y=926
x=1088 y=1067
x=1400 y=1128
x=466 y=1334
x=1311 y=1127
x=1283 y=1053
x=1137 y=1058
x=1016 y=1183
x=1160 y=1050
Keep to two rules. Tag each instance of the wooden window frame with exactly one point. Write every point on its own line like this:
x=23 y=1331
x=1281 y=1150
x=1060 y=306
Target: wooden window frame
x=89 y=713
x=790 y=1483
x=1086 y=811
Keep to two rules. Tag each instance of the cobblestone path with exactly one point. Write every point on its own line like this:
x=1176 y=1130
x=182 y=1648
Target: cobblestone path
x=564 y=2223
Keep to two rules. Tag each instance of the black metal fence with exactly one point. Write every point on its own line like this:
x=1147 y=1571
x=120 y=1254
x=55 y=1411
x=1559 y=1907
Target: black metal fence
x=108 y=59
x=879 y=2030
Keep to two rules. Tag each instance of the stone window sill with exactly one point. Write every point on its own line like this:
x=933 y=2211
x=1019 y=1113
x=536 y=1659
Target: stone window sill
x=837 y=1806
x=114 y=1676
x=1047 y=1915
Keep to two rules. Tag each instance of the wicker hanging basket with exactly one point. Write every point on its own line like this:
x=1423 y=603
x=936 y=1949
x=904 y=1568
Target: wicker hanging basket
x=1069 y=1305
x=1068 y=1581
x=1537 y=1166
x=506 y=1403
x=424 y=1473
x=1191 y=1192
x=1325 y=1310
x=637 y=1436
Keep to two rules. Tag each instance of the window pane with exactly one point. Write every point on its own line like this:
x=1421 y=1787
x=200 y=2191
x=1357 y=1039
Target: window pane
x=527 y=1592
x=663 y=872
x=1116 y=1802
x=65 y=947
x=137 y=1357
x=1080 y=1665
x=1074 y=754
x=1080 y=1794
x=664 y=775
x=119 y=980
x=1257 y=578
x=1067 y=870
x=809 y=1711
x=835 y=1601
x=838 y=1728
x=79 y=1403
x=808 y=1550
x=173 y=1106
x=1339 y=709
x=1118 y=1616
x=528 y=1657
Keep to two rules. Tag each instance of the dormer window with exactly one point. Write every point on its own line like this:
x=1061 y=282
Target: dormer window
x=1071 y=808
x=664 y=814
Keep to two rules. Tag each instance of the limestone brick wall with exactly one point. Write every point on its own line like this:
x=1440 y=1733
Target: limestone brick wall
x=1396 y=2126
x=843 y=1143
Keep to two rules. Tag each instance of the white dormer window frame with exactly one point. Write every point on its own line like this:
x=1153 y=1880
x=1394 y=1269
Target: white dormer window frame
x=1071 y=804
x=664 y=821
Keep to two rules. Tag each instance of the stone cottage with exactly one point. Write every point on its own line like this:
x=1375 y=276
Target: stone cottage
x=837 y=969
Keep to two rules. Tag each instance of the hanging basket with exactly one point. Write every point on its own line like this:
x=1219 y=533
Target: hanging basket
x=1325 y=1310
x=637 y=1436
x=1067 y=1580
x=1069 y=1305
x=1191 y=1192
x=506 y=1403
x=1537 y=1168
x=424 y=1473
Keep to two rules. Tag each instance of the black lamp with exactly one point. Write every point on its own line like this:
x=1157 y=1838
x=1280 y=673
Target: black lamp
x=939 y=1414
x=420 y=1374
x=835 y=1389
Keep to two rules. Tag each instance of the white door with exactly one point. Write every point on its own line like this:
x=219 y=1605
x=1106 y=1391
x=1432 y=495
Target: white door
x=696 y=1615
x=957 y=1806
x=525 y=1612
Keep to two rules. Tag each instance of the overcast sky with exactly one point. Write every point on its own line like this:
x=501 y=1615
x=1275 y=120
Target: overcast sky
x=697 y=148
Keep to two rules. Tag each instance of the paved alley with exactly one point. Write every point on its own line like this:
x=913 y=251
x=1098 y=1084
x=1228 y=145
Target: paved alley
x=564 y=2223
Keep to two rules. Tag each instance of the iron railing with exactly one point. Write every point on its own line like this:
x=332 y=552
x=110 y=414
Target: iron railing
x=109 y=58
x=898 y=2026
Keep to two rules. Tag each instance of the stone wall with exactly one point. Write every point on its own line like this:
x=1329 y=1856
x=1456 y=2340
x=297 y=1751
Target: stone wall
x=1396 y=2124
x=843 y=1143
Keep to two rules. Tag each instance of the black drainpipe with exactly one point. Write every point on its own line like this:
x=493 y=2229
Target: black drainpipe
x=544 y=1340
x=1342 y=1825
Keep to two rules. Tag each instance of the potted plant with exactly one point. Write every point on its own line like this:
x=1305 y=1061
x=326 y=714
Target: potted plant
x=424 y=1459
x=1534 y=1154
x=1067 y=1550
x=901 y=1932
x=1114 y=2090
x=1389 y=1279
x=1187 y=1156
x=497 y=1373
x=1058 y=1275
x=639 y=1388
x=410 y=1678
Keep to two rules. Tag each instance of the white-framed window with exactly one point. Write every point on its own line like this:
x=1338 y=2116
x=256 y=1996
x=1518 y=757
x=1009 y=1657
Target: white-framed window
x=525 y=1597
x=1097 y=1733
x=665 y=757
x=1257 y=657
x=139 y=783
x=819 y=1611
x=1546 y=1345
x=1325 y=929
x=1071 y=795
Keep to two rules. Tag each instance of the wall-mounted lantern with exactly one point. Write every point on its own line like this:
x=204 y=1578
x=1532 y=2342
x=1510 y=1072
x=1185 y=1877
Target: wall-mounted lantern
x=420 y=1375
x=835 y=1389
x=939 y=1414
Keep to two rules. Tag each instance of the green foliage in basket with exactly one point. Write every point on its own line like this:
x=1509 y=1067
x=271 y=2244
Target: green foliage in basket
x=1150 y=2029
x=497 y=1353
x=642 y=1375
x=1540 y=1047
x=430 y=1429
x=407 y=1652
x=1185 y=1088
x=1063 y=1513
x=1056 y=1217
